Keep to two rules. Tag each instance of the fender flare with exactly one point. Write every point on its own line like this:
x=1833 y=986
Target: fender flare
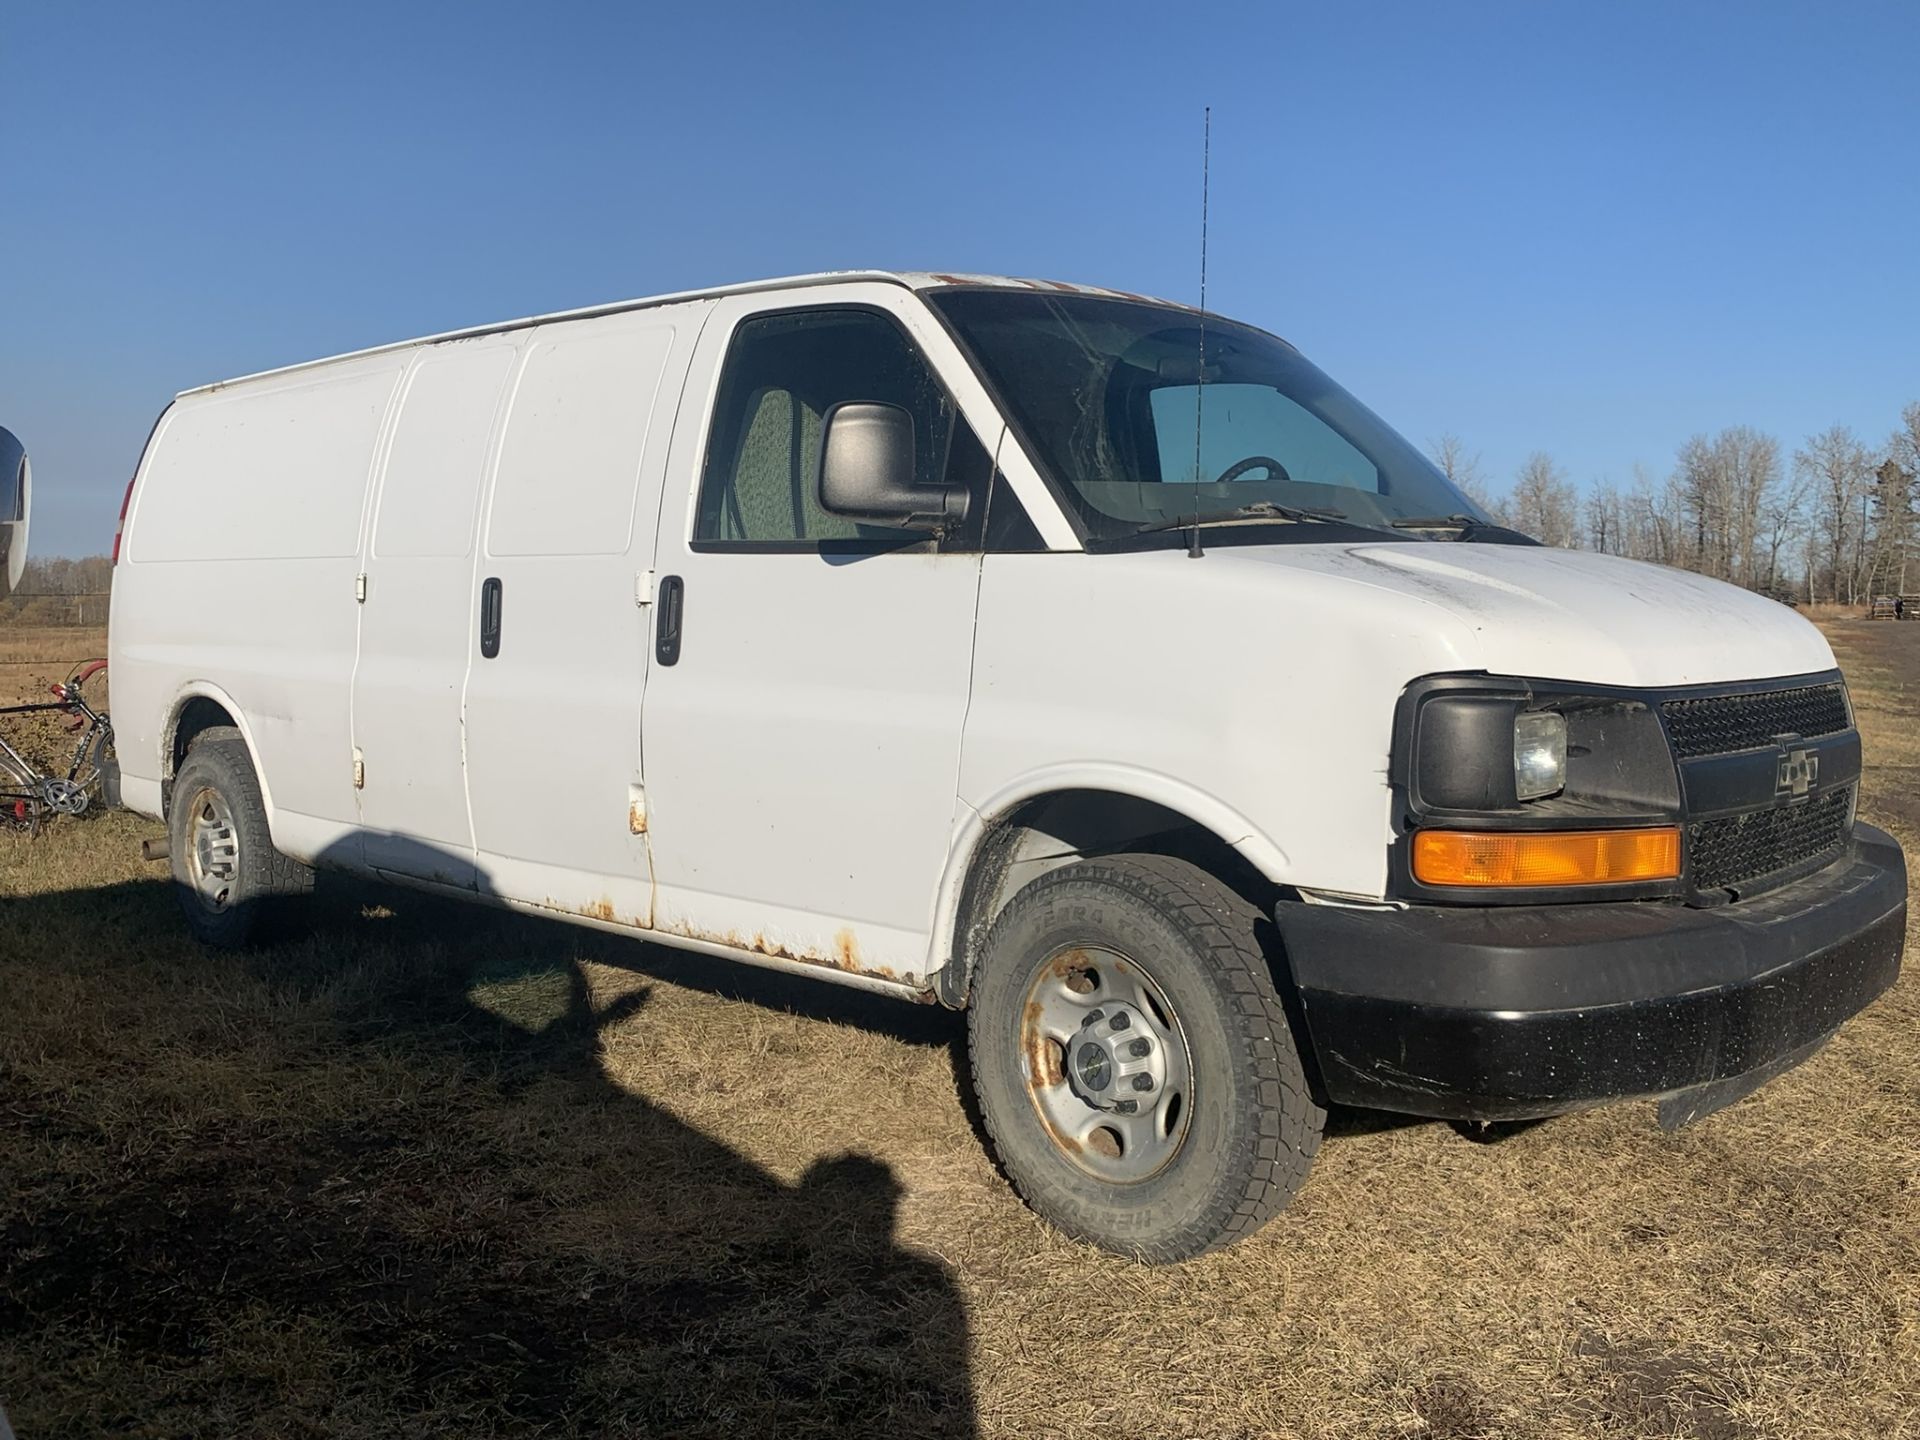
x=976 y=824
x=192 y=690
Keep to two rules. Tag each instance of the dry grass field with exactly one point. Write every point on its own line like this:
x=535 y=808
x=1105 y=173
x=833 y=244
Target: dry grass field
x=423 y=1169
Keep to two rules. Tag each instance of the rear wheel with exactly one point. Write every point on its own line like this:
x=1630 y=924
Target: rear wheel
x=1134 y=1066
x=226 y=872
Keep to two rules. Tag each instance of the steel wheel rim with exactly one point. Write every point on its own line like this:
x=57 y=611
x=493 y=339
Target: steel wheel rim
x=1082 y=1024
x=213 y=849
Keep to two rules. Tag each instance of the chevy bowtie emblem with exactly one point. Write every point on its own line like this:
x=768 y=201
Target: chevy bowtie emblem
x=1798 y=770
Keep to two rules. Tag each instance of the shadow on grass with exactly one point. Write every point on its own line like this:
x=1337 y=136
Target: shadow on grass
x=408 y=1213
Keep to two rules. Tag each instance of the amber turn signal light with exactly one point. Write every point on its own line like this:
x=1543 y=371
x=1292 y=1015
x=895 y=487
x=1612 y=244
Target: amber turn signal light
x=1492 y=858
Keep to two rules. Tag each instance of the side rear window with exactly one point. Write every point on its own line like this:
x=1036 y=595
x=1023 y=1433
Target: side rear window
x=784 y=372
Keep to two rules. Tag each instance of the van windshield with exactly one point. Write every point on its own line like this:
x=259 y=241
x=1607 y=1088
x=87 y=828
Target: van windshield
x=1138 y=432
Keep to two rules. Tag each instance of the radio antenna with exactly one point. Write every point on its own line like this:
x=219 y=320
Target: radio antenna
x=1200 y=377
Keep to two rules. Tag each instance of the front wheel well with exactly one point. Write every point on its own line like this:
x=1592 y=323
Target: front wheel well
x=1065 y=826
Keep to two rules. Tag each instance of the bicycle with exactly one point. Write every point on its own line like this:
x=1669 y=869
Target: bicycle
x=27 y=795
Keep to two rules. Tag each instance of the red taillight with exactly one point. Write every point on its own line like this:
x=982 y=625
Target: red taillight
x=121 y=528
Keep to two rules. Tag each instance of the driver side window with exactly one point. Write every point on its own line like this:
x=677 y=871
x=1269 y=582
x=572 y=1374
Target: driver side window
x=1239 y=422
x=784 y=372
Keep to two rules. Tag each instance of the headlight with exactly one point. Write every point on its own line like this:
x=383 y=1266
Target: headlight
x=1478 y=744
x=1539 y=754
x=1508 y=788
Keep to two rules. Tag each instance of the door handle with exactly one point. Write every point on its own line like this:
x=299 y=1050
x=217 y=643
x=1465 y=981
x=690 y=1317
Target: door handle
x=490 y=617
x=666 y=633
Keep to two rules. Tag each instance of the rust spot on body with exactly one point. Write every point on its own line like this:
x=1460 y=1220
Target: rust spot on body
x=846 y=951
x=845 y=956
x=637 y=818
x=599 y=910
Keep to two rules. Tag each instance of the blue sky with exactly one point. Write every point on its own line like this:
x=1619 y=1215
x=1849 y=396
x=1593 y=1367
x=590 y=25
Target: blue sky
x=1588 y=229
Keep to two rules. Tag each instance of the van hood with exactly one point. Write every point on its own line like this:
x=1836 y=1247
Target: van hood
x=1551 y=614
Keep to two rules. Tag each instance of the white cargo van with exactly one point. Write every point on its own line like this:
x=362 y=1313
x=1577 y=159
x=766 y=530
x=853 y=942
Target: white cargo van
x=1075 y=658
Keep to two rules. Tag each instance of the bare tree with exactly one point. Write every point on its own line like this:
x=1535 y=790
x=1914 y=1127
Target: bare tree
x=1896 y=505
x=1652 y=523
x=1606 y=515
x=1722 y=484
x=1700 y=485
x=1543 y=503
x=1835 y=467
x=1782 y=516
x=1750 y=461
x=1903 y=448
x=1463 y=468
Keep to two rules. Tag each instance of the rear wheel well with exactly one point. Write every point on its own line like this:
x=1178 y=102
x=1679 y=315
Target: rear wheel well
x=1058 y=829
x=199 y=714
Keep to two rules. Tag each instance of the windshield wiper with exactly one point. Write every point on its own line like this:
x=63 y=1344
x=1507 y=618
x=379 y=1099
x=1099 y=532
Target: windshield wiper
x=1465 y=527
x=1258 y=510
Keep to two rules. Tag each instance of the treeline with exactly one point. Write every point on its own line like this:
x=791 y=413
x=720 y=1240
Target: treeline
x=1836 y=520
x=60 y=592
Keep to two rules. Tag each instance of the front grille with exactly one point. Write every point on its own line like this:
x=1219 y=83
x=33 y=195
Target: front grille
x=1721 y=724
x=1736 y=852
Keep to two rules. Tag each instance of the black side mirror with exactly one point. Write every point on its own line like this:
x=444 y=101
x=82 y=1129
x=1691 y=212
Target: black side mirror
x=866 y=471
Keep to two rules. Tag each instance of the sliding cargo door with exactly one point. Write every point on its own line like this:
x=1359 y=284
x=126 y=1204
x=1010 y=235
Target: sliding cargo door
x=415 y=621
x=561 y=636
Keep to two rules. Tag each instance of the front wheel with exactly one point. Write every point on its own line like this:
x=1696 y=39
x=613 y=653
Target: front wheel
x=1134 y=1066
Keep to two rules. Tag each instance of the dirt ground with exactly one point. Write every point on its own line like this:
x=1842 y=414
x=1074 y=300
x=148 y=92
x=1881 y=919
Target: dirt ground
x=422 y=1169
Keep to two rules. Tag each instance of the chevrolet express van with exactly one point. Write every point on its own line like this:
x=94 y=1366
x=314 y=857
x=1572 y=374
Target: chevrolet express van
x=1095 y=665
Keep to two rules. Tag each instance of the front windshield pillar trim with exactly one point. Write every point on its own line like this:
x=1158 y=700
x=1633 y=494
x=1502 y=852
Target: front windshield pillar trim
x=993 y=422
x=1063 y=528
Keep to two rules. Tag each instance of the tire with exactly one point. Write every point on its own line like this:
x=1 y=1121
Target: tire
x=226 y=873
x=1167 y=951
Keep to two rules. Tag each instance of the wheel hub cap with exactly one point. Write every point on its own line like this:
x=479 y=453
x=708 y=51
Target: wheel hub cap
x=1106 y=1064
x=1116 y=1065
x=213 y=850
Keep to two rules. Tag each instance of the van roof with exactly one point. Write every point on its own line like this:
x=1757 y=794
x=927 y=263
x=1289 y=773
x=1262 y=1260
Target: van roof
x=911 y=279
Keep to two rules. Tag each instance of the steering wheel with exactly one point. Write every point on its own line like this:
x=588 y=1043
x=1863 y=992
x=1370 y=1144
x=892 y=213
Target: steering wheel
x=1275 y=470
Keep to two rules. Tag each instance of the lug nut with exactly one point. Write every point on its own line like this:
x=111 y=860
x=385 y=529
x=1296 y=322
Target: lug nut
x=1125 y=1107
x=1143 y=1082
x=1094 y=1017
x=1120 y=1021
x=1142 y=1046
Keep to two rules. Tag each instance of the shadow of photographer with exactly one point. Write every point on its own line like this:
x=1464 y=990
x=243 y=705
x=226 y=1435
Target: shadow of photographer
x=474 y=1227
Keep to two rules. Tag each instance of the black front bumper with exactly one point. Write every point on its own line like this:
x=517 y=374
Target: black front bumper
x=1509 y=1012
